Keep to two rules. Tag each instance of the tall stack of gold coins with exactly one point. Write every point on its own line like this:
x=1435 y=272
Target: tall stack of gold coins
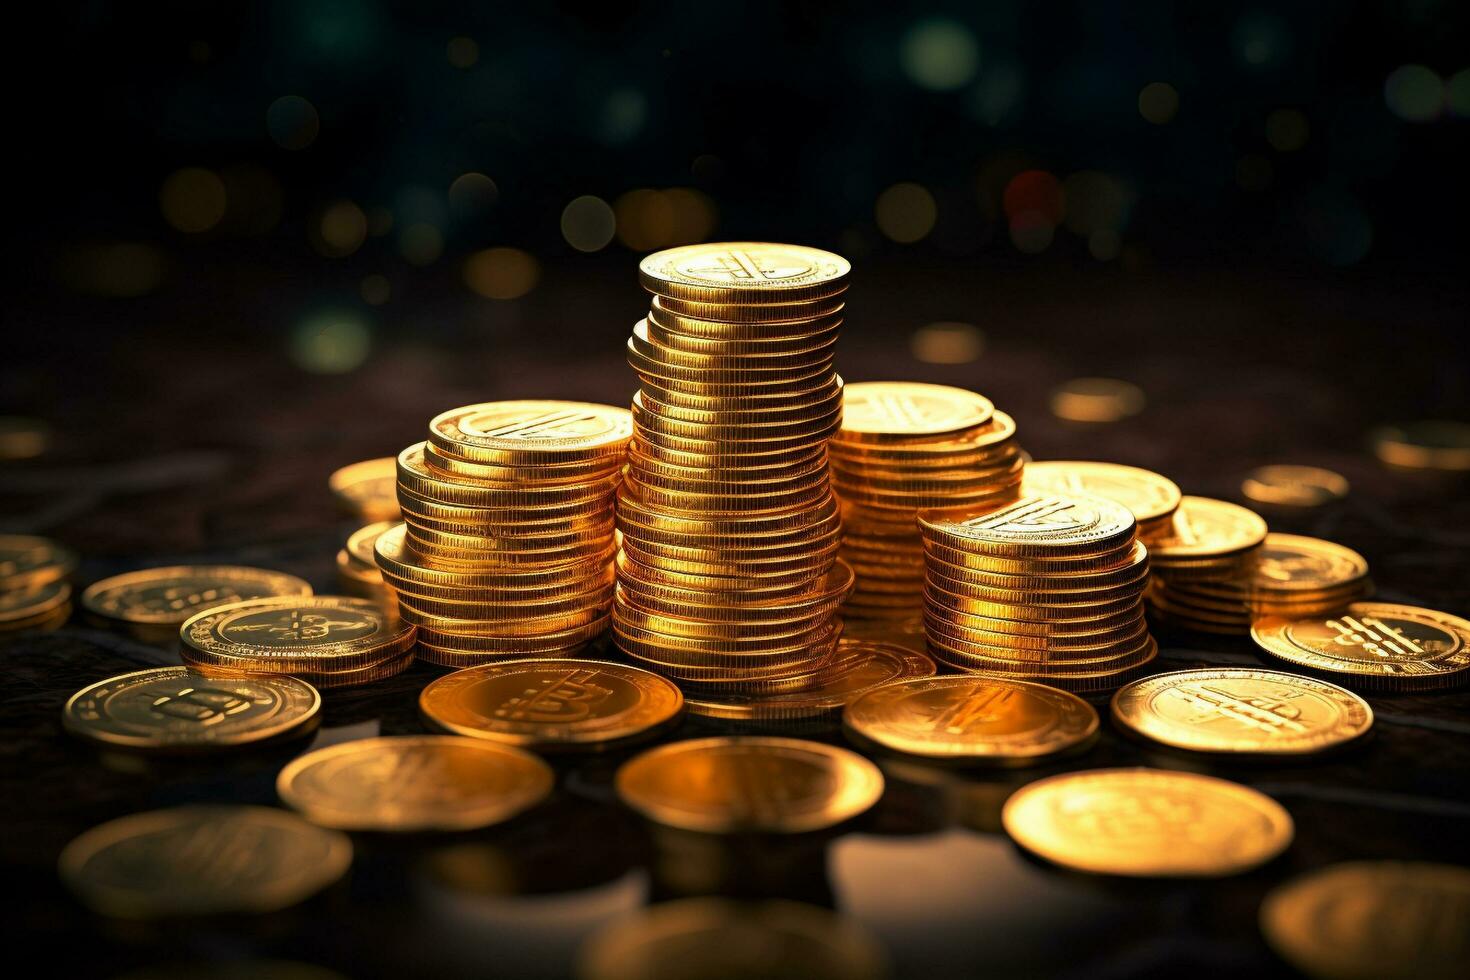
x=507 y=543
x=1048 y=588
x=906 y=447
x=728 y=578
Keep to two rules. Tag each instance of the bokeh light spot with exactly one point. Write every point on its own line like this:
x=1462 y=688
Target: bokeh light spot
x=1287 y=130
x=1414 y=93
x=588 y=223
x=472 y=194
x=339 y=230
x=1036 y=191
x=947 y=342
x=331 y=342
x=939 y=54
x=1261 y=40
x=1032 y=232
x=420 y=243
x=645 y=220
x=501 y=273
x=905 y=213
x=292 y=122
x=462 y=52
x=1158 y=102
x=375 y=289
x=1097 y=400
x=193 y=199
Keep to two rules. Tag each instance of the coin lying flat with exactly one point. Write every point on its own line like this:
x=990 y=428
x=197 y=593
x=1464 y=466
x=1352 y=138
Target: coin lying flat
x=749 y=783
x=1375 y=645
x=163 y=597
x=201 y=861
x=175 y=709
x=1369 y=920
x=291 y=634
x=368 y=489
x=1148 y=495
x=711 y=937
x=553 y=703
x=904 y=410
x=972 y=719
x=1096 y=400
x=1286 y=485
x=1042 y=525
x=414 y=783
x=744 y=272
x=22 y=438
x=529 y=431
x=27 y=561
x=1295 y=564
x=1429 y=445
x=1147 y=823
x=34 y=606
x=1242 y=711
x=1208 y=528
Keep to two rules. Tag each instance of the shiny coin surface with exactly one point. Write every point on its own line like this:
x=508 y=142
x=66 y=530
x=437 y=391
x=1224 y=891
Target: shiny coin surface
x=1294 y=486
x=553 y=703
x=360 y=542
x=1430 y=445
x=201 y=861
x=715 y=938
x=367 y=489
x=1293 y=563
x=1371 y=920
x=24 y=606
x=1039 y=526
x=168 y=596
x=1380 y=645
x=748 y=783
x=174 y=709
x=873 y=410
x=524 y=431
x=1148 y=823
x=972 y=719
x=26 y=560
x=1147 y=495
x=1096 y=400
x=744 y=272
x=22 y=438
x=412 y=783
x=1208 y=528
x=284 y=634
x=1242 y=711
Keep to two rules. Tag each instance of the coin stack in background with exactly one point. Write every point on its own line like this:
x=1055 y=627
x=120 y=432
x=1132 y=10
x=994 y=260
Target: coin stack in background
x=1151 y=498
x=365 y=490
x=727 y=574
x=34 y=592
x=357 y=566
x=1289 y=576
x=1209 y=541
x=1048 y=588
x=905 y=447
x=507 y=543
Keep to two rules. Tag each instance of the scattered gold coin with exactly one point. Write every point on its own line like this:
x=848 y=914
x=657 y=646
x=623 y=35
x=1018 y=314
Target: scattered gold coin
x=712 y=937
x=1294 y=486
x=1096 y=400
x=1147 y=823
x=1208 y=529
x=22 y=438
x=1242 y=711
x=152 y=602
x=28 y=561
x=202 y=861
x=35 y=607
x=735 y=784
x=1370 y=920
x=1433 y=445
x=410 y=783
x=1375 y=645
x=367 y=490
x=174 y=709
x=553 y=703
x=972 y=719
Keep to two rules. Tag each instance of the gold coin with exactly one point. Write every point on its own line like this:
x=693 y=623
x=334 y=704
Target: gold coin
x=417 y=477
x=736 y=784
x=441 y=642
x=522 y=474
x=1291 y=564
x=366 y=489
x=786 y=361
x=1373 y=920
x=744 y=272
x=360 y=542
x=288 y=634
x=976 y=444
x=972 y=719
x=174 y=709
x=1242 y=711
x=154 y=597
x=696 y=336
x=553 y=704
x=196 y=861
x=22 y=438
x=412 y=783
x=1294 y=486
x=27 y=561
x=517 y=432
x=1148 y=823
x=893 y=411
x=1096 y=400
x=712 y=937
x=1377 y=645
x=1148 y=495
x=750 y=319
x=1206 y=528
x=22 y=607
x=1042 y=526
x=1434 y=445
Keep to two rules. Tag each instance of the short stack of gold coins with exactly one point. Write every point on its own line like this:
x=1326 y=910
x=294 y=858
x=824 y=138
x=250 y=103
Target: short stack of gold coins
x=728 y=578
x=1209 y=542
x=507 y=543
x=1151 y=497
x=357 y=566
x=906 y=447
x=1048 y=588
x=34 y=593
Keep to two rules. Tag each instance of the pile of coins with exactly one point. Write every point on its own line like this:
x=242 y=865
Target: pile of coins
x=357 y=564
x=152 y=603
x=34 y=593
x=728 y=578
x=1049 y=588
x=903 y=448
x=507 y=545
x=1152 y=499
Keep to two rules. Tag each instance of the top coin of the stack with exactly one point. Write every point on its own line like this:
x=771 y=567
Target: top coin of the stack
x=1041 y=525
x=531 y=431
x=744 y=272
x=887 y=411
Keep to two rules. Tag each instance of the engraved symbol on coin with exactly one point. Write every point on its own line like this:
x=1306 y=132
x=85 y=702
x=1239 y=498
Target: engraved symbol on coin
x=205 y=705
x=572 y=697
x=540 y=426
x=296 y=625
x=741 y=266
x=1271 y=715
x=964 y=712
x=1375 y=638
x=1037 y=513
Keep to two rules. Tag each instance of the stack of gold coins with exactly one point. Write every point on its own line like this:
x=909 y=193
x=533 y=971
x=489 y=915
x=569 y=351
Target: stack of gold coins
x=1049 y=588
x=357 y=565
x=1289 y=575
x=507 y=545
x=727 y=574
x=34 y=593
x=903 y=448
x=1152 y=498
